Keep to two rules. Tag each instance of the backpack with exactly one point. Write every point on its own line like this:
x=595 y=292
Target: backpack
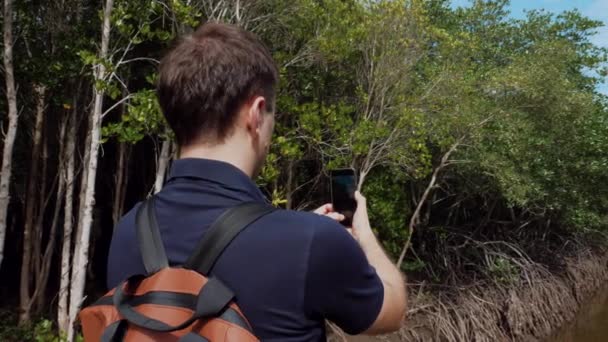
x=181 y=304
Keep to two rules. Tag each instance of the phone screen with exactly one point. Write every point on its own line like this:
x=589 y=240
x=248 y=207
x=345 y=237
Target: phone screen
x=343 y=187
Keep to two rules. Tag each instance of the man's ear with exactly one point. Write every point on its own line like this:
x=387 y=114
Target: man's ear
x=255 y=113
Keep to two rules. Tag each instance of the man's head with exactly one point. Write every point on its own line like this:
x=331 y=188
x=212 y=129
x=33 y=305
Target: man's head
x=217 y=87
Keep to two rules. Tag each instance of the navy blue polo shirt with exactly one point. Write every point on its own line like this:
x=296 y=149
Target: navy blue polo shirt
x=290 y=270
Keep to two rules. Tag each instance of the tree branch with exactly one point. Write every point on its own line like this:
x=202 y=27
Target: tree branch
x=427 y=191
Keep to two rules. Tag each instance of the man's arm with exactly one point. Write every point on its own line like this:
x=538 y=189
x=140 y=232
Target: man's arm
x=394 y=305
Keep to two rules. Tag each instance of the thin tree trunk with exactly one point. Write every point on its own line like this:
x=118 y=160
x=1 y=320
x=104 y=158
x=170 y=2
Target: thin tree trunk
x=39 y=296
x=362 y=179
x=119 y=191
x=427 y=214
x=30 y=211
x=44 y=197
x=86 y=216
x=238 y=11
x=365 y=169
x=125 y=181
x=415 y=217
x=163 y=162
x=43 y=200
x=9 y=139
x=84 y=172
x=121 y=177
x=62 y=310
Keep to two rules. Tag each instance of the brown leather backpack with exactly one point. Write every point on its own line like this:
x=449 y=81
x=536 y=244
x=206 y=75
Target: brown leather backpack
x=181 y=304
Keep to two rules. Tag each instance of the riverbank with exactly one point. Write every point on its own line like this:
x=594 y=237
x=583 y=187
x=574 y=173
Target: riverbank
x=590 y=324
x=530 y=309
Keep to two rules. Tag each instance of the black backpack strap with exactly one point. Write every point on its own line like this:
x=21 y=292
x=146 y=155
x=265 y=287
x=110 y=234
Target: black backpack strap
x=149 y=239
x=222 y=232
x=115 y=332
x=211 y=301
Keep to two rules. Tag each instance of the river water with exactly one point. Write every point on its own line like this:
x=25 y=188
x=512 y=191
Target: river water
x=590 y=324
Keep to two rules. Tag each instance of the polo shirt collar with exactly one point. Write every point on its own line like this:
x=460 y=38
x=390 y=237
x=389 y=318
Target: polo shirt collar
x=226 y=175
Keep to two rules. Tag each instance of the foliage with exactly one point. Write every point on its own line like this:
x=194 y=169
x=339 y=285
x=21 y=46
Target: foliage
x=392 y=85
x=388 y=208
x=43 y=330
x=142 y=117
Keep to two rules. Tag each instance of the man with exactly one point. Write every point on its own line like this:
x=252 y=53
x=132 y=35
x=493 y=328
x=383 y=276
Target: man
x=290 y=270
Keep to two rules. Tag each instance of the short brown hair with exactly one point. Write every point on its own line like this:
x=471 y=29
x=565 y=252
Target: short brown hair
x=208 y=76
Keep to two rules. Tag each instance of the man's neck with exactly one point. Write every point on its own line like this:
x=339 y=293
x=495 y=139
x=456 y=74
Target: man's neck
x=228 y=153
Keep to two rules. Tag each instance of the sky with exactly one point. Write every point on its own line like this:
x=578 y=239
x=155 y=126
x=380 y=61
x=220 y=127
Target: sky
x=595 y=9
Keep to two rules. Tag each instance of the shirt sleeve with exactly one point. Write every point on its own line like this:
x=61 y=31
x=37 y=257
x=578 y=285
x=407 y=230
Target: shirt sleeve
x=341 y=284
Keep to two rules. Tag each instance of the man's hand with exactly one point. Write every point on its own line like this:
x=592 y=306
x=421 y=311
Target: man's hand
x=328 y=210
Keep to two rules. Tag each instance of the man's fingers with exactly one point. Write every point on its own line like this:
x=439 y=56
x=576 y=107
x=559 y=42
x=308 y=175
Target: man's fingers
x=324 y=209
x=335 y=216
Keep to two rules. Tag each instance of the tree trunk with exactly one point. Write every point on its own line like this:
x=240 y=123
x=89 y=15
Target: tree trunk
x=30 y=211
x=121 y=182
x=9 y=140
x=86 y=216
x=39 y=296
x=43 y=200
x=415 y=217
x=125 y=183
x=365 y=169
x=84 y=172
x=163 y=162
x=62 y=312
x=362 y=179
x=237 y=11
x=121 y=178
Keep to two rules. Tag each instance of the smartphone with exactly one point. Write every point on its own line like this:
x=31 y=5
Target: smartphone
x=343 y=187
